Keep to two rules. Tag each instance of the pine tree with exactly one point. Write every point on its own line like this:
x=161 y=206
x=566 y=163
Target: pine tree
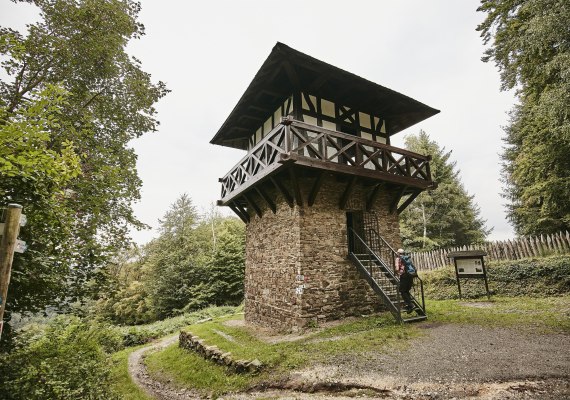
x=530 y=44
x=443 y=217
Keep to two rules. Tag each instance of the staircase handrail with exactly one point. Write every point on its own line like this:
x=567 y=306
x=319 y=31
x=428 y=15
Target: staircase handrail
x=385 y=242
x=373 y=253
x=395 y=254
x=396 y=310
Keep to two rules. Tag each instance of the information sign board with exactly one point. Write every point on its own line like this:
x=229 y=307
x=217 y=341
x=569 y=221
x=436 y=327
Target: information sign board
x=469 y=264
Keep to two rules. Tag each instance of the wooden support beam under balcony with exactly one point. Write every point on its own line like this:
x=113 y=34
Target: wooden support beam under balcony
x=397 y=198
x=239 y=211
x=316 y=187
x=374 y=195
x=408 y=201
x=283 y=190
x=270 y=203
x=347 y=192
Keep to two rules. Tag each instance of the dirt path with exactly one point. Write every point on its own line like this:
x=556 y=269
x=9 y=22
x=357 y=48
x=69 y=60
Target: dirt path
x=460 y=361
x=152 y=387
x=450 y=361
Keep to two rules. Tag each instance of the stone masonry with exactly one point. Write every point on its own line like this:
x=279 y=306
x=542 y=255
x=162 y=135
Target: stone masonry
x=297 y=270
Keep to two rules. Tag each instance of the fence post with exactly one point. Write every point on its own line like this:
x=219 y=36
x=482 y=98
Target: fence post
x=7 y=247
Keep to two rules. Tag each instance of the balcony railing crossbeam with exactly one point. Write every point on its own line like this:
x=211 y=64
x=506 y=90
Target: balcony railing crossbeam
x=316 y=147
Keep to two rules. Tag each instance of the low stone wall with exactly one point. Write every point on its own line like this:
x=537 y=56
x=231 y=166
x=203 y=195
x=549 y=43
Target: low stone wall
x=188 y=341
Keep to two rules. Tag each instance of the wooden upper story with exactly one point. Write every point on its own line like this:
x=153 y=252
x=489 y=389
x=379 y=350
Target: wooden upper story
x=299 y=110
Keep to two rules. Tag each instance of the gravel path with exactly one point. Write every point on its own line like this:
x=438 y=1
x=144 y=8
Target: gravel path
x=462 y=361
x=450 y=361
x=152 y=387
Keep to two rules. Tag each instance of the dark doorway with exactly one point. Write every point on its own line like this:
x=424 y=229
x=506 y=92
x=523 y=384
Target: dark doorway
x=354 y=224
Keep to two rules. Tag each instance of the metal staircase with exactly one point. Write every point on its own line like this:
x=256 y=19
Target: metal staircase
x=375 y=259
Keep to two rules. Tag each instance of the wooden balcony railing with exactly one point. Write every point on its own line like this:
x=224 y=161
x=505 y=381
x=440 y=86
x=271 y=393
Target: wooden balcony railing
x=313 y=146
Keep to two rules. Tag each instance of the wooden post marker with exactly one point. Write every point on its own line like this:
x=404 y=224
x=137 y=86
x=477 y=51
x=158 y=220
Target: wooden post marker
x=7 y=247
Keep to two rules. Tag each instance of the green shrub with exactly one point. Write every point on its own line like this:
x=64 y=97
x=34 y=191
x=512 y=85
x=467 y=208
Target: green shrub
x=536 y=277
x=66 y=359
x=140 y=334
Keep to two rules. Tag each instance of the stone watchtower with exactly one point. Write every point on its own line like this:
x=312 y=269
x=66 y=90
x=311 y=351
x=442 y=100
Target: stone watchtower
x=320 y=189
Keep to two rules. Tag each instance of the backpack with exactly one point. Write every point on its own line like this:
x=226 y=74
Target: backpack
x=408 y=265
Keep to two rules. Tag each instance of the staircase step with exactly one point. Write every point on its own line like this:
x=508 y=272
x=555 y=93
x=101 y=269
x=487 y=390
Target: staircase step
x=382 y=280
x=415 y=319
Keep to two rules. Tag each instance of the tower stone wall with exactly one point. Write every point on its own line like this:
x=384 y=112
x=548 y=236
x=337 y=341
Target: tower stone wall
x=297 y=270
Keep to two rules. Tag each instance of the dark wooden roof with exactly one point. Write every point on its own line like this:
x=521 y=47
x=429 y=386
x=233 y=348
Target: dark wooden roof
x=287 y=70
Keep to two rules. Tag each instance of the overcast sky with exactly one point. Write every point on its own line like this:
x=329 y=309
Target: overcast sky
x=209 y=51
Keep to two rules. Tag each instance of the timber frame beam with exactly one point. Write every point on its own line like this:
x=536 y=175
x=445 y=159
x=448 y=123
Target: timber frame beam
x=267 y=199
x=252 y=204
x=347 y=192
x=316 y=187
x=397 y=198
x=283 y=190
x=408 y=201
x=240 y=212
x=374 y=195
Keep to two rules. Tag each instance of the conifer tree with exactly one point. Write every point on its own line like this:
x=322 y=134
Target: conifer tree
x=529 y=41
x=443 y=217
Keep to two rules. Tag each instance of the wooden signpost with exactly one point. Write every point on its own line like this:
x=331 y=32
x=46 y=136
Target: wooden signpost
x=470 y=264
x=8 y=245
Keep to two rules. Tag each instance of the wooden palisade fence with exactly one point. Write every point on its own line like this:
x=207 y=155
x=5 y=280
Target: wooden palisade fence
x=523 y=247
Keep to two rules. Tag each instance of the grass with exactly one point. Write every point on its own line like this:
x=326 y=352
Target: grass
x=355 y=337
x=350 y=338
x=547 y=315
x=533 y=277
x=139 y=334
x=186 y=369
x=122 y=382
x=520 y=302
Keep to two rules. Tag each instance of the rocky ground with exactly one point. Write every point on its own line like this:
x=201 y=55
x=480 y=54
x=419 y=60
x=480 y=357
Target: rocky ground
x=450 y=361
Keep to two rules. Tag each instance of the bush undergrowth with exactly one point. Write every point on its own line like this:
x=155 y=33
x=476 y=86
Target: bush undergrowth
x=67 y=357
x=536 y=277
x=140 y=334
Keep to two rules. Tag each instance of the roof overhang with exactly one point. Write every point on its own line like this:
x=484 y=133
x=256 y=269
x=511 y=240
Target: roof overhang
x=287 y=70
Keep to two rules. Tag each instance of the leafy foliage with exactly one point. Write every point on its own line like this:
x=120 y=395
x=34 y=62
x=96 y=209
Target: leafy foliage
x=68 y=359
x=549 y=276
x=140 y=334
x=174 y=267
x=530 y=44
x=195 y=262
x=71 y=102
x=446 y=216
x=227 y=266
x=25 y=149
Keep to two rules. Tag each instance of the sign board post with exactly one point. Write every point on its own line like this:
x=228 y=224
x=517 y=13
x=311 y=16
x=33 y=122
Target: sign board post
x=470 y=265
x=8 y=245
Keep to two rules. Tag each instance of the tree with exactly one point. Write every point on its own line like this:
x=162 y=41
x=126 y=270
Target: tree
x=196 y=261
x=227 y=266
x=530 y=44
x=72 y=94
x=124 y=296
x=174 y=264
x=446 y=216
